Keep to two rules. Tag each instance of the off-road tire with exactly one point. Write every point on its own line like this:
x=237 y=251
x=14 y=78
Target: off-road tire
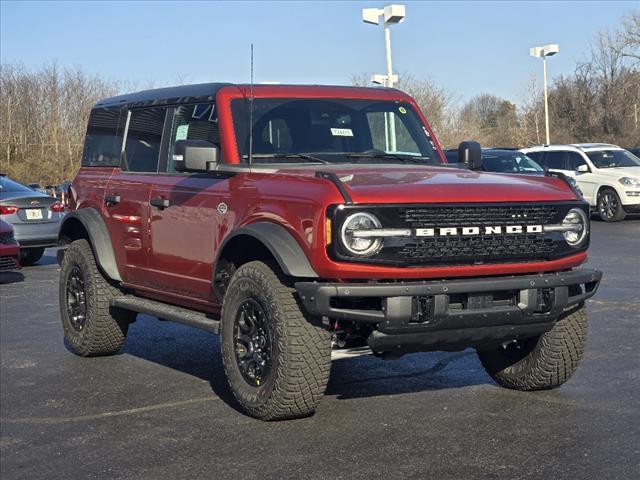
x=29 y=256
x=301 y=347
x=546 y=361
x=606 y=198
x=105 y=327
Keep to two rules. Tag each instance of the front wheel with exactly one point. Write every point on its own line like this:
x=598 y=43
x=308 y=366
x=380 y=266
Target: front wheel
x=276 y=358
x=609 y=206
x=543 y=362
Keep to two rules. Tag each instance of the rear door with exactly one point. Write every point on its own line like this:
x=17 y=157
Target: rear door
x=184 y=235
x=126 y=202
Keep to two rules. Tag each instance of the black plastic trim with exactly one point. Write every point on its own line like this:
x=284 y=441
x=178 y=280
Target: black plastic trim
x=396 y=304
x=284 y=248
x=99 y=237
x=333 y=178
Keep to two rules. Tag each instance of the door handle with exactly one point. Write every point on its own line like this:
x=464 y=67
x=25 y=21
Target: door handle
x=160 y=202
x=112 y=199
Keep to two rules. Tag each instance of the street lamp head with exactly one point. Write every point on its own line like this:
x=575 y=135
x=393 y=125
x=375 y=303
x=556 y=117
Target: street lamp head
x=394 y=13
x=544 y=51
x=372 y=15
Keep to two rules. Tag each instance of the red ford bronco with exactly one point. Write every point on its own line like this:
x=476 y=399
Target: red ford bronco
x=296 y=219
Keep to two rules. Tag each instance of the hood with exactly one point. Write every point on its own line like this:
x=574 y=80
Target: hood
x=618 y=172
x=406 y=184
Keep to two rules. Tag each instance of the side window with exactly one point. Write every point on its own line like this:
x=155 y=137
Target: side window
x=144 y=137
x=535 y=156
x=103 y=141
x=574 y=160
x=554 y=160
x=193 y=122
x=379 y=123
x=276 y=137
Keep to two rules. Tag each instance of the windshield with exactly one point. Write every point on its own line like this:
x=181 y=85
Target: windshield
x=332 y=130
x=509 y=162
x=9 y=186
x=613 y=158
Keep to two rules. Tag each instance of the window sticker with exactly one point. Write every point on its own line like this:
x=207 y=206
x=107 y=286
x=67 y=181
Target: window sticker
x=342 y=132
x=181 y=132
x=402 y=110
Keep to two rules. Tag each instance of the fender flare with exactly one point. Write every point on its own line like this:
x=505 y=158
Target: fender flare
x=99 y=238
x=280 y=243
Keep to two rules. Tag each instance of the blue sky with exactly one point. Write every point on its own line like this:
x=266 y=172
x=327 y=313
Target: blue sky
x=467 y=47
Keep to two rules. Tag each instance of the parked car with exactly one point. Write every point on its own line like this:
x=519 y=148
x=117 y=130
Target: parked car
x=609 y=176
x=37 y=187
x=279 y=216
x=9 y=248
x=35 y=218
x=507 y=160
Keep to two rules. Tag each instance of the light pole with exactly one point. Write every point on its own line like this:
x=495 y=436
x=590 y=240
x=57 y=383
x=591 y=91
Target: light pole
x=544 y=52
x=391 y=14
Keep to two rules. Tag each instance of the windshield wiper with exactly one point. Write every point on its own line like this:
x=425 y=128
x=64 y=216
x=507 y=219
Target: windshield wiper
x=395 y=156
x=301 y=156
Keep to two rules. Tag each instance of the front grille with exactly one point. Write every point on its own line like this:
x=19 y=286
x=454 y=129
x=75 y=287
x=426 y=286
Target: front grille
x=472 y=216
x=475 y=249
x=7 y=238
x=9 y=263
x=459 y=249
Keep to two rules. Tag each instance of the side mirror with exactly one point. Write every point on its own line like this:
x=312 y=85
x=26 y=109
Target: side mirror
x=195 y=155
x=584 y=168
x=470 y=154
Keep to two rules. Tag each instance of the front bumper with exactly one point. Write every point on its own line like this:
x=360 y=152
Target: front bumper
x=451 y=314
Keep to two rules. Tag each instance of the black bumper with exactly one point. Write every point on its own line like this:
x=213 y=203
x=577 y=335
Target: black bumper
x=452 y=314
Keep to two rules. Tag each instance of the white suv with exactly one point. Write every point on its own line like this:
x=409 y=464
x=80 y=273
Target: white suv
x=609 y=176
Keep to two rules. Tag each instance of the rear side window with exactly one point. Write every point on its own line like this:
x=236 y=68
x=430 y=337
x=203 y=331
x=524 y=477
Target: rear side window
x=536 y=156
x=144 y=138
x=103 y=142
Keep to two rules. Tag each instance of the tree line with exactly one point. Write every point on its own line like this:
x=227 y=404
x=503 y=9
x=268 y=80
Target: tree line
x=44 y=112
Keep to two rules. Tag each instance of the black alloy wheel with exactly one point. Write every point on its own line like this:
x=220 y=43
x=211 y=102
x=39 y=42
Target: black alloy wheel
x=76 y=299
x=253 y=342
x=609 y=206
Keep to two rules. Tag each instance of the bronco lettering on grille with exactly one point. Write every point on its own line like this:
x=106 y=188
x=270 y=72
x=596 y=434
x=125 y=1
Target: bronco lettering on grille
x=471 y=231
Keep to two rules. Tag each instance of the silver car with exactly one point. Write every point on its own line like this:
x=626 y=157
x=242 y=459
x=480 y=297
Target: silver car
x=35 y=218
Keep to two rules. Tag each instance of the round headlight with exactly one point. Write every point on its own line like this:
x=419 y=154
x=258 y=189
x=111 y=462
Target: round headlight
x=362 y=247
x=577 y=219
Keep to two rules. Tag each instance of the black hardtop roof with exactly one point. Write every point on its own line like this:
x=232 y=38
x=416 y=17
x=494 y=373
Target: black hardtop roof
x=190 y=93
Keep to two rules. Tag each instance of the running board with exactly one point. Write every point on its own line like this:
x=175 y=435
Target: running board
x=167 y=312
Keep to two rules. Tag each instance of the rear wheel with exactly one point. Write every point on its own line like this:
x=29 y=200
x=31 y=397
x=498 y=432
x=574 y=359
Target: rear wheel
x=29 y=256
x=609 y=206
x=276 y=359
x=543 y=362
x=91 y=326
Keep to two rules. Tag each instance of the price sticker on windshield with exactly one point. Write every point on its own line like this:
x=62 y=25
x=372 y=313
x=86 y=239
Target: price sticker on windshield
x=342 y=132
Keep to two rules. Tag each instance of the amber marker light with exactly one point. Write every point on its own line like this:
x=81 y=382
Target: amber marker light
x=327 y=231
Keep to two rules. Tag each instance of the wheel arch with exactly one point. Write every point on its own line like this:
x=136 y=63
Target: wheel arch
x=259 y=241
x=87 y=223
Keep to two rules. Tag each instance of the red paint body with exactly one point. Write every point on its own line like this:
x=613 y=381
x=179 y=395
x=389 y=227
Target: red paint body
x=169 y=254
x=9 y=251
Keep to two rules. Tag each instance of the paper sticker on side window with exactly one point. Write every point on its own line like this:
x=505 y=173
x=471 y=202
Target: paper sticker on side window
x=341 y=132
x=181 y=132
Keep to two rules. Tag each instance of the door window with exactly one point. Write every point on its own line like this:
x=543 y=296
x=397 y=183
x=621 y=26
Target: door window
x=554 y=160
x=144 y=138
x=192 y=122
x=574 y=160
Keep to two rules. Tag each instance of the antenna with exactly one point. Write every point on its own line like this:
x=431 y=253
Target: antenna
x=251 y=111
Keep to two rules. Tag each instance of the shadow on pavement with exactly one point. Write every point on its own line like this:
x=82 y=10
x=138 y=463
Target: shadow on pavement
x=11 y=277
x=197 y=353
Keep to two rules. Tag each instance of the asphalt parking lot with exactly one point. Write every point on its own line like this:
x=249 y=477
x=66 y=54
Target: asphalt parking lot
x=161 y=408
